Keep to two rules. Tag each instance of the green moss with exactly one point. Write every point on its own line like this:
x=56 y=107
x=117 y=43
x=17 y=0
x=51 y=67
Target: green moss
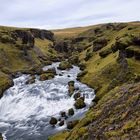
x=112 y=134
x=106 y=52
x=79 y=104
x=60 y=136
x=129 y=126
x=46 y=76
x=64 y=65
x=72 y=124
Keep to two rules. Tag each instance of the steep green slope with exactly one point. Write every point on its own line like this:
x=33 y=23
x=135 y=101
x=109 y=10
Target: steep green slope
x=109 y=56
x=23 y=50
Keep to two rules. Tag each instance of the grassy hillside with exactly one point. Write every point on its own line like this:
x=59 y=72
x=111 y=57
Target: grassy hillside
x=16 y=56
x=109 y=56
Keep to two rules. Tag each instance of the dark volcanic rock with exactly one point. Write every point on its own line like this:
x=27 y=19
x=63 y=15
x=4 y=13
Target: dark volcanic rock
x=61 y=46
x=99 y=44
x=53 y=121
x=42 y=34
x=79 y=104
x=61 y=123
x=71 y=112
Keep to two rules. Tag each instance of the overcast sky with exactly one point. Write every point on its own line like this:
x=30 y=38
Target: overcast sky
x=51 y=14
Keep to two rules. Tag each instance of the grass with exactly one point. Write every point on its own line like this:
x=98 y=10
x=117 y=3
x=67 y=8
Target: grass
x=113 y=105
x=13 y=59
x=60 y=136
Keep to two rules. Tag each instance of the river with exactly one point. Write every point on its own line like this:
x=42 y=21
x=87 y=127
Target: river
x=25 y=110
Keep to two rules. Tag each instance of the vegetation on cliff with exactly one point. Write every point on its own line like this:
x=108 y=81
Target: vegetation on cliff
x=110 y=54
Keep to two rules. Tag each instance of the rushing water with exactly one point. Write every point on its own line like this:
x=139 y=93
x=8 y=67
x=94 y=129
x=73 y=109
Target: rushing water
x=25 y=110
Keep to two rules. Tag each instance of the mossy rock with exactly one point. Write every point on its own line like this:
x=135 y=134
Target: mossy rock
x=71 y=83
x=64 y=65
x=45 y=76
x=61 y=123
x=71 y=112
x=72 y=124
x=77 y=95
x=79 y=104
x=122 y=43
x=31 y=80
x=63 y=114
x=71 y=87
x=53 y=121
x=99 y=43
x=89 y=54
x=51 y=70
x=105 y=53
x=133 y=51
x=7 y=39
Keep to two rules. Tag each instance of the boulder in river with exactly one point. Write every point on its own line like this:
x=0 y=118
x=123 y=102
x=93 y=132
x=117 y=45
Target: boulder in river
x=53 y=121
x=63 y=114
x=79 y=104
x=77 y=95
x=61 y=123
x=64 y=65
x=46 y=76
x=31 y=80
x=71 y=87
x=71 y=112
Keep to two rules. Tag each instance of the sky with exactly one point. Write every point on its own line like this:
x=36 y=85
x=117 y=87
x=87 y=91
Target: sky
x=56 y=14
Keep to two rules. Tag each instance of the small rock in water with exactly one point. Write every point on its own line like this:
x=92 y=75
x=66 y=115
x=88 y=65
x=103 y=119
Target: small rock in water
x=53 y=121
x=71 y=112
x=71 y=87
x=31 y=80
x=63 y=114
x=61 y=123
x=79 y=104
x=77 y=95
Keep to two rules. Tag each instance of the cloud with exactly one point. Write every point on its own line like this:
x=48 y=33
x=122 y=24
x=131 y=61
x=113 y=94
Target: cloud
x=66 y=13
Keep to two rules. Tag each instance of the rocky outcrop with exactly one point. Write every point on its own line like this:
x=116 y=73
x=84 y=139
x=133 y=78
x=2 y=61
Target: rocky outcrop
x=99 y=44
x=78 y=39
x=61 y=46
x=42 y=34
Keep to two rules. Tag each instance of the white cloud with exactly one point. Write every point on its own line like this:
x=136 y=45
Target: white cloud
x=66 y=13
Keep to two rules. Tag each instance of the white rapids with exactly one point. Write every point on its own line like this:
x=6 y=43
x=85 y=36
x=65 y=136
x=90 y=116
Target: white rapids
x=25 y=110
